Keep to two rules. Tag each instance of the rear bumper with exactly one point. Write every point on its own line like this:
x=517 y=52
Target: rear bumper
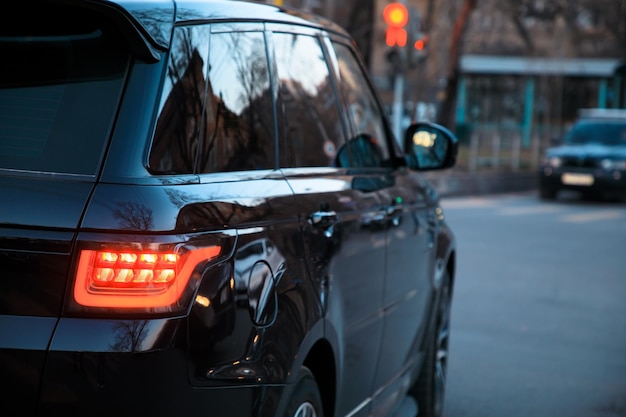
x=119 y=368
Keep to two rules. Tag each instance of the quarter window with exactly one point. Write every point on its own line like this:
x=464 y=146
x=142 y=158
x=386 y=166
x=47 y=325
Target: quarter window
x=182 y=103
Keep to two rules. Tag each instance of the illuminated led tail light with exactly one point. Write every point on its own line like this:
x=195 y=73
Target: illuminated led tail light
x=136 y=279
x=131 y=270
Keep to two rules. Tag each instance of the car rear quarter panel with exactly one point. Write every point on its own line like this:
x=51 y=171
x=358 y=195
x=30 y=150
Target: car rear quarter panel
x=225 y=347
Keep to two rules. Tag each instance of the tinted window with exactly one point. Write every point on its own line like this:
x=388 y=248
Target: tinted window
x=239 y=133
x=602 y=132
x=60 y=83
x=182 y=104
x=216 y=100
x=311 y=123
x=366 y=116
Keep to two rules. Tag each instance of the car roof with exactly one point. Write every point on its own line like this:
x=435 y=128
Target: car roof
x=603 y=114
x=155 y=19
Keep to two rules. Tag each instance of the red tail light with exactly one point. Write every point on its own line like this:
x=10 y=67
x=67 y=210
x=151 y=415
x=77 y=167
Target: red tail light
x=136 y=279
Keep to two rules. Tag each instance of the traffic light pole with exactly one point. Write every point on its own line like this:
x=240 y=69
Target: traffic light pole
x=397 y=109
x=396 y=16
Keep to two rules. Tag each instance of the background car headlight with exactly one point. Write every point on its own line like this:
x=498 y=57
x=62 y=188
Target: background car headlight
x=552 y=161
x=610 y=164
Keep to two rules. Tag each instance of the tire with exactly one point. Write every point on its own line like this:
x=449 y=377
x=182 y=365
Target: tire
x=429 y=389
x=305 y=400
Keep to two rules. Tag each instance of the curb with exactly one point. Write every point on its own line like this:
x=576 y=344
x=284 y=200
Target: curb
x=456 y=184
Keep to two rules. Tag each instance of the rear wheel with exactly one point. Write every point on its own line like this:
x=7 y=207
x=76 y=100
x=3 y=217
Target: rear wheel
x=305 y=400
x=429 y=390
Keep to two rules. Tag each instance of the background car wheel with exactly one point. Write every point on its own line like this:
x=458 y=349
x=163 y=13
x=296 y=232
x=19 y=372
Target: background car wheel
x=305 y=400
x=429 y=390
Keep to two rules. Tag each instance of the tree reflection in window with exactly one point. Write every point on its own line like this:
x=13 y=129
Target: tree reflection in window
x=182 y=101
x=366 y=115
x=239 y=133
x=221 y=124
x=311 y=123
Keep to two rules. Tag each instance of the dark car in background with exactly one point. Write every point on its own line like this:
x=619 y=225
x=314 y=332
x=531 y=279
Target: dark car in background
x=203 y=212
x=591 y=158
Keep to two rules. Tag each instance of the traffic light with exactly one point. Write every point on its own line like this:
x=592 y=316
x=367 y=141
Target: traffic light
x=408 y=45
x=396 y=16
x=420 y=43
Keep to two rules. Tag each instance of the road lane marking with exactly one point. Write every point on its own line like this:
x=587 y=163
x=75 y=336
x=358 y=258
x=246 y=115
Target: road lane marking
x=467 y=203
x=594 y=216
x=521 y=211
x=500 y=207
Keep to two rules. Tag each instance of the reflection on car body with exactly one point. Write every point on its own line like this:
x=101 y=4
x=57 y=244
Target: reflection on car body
x=258 y=269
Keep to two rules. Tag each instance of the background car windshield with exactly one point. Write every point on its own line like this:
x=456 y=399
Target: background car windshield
x=60 y=85
x=604 y=133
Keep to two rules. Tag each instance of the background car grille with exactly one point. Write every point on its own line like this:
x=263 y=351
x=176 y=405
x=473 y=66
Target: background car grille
x=580 y=163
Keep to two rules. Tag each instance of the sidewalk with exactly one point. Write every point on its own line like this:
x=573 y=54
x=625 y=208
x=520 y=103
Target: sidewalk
x=451 y=183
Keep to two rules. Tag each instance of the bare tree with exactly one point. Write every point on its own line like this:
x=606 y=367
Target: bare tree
x=446 y=114
x=575 y=28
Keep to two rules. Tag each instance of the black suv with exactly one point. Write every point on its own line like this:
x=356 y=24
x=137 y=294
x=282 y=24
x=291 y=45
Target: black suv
x=204 y=213
x=591 y=158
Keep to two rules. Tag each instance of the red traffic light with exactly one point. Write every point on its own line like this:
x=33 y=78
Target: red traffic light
x=421 y=43
x=395 y=37
x=396 y=16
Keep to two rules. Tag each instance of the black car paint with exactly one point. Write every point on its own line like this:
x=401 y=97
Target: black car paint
x=219 y=356
x=583 y=154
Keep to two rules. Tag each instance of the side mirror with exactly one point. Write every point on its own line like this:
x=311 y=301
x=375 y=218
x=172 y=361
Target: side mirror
x=429 y=146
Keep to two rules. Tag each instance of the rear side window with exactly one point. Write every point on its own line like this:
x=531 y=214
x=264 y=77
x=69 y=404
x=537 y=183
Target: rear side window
x=311 y=124
x=60 y=84
x=216 y=112
x=239 y=132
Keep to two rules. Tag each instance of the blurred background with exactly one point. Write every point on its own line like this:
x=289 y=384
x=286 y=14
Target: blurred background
x=507 y=76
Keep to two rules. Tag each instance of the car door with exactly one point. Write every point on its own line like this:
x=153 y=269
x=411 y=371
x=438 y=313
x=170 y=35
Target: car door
x=338 y=208
x=408 y=236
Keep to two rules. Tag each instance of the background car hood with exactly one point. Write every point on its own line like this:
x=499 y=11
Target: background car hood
x=591 y=150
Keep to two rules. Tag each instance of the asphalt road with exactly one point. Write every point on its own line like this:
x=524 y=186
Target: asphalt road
x=539 y=310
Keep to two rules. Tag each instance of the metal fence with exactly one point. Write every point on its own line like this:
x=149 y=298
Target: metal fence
x=503 y=148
